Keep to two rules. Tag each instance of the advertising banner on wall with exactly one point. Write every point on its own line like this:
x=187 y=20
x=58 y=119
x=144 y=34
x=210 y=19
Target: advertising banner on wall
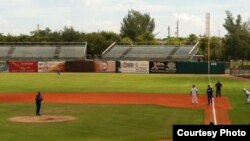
x=104 y=66
x=162 y=67
x=134 y=67
x=141 y=66
x=51 y=66
x=22 y=66
x=3 y=66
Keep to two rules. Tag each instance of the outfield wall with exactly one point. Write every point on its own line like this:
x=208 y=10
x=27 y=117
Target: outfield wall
x=104 y=66
x=170 y=67
x=51 y=66
x=23 y=66
x=113 y=66
x=200 y=67
x=133 y=67
x=162 y=67
x=79 y=66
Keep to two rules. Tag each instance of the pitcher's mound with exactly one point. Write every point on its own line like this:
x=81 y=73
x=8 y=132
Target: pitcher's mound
x=42 y=119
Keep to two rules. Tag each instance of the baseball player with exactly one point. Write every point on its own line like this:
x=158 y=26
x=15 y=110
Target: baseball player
x=58 y=71
x=209 y=95
x=247 y=93
x=38 y=100
x=194 y=94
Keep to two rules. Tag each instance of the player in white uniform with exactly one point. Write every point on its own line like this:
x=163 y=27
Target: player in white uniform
x=247 y=93
x=194 y=93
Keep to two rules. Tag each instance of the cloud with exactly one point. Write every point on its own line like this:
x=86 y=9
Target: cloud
x=114 y=6
x=91 y=15
x=31 y=9
x=68 y=23
x=95 y=2
x=96 y=25
x=3 y=23
x=189 y=23
x=15 y=7
x=190 y=18
x=8 y=27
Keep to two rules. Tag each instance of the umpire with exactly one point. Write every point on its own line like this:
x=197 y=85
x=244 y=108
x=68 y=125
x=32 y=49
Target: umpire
x=218 y=87
x=39 y=100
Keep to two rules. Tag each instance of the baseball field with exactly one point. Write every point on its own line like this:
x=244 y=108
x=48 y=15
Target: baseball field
x=114 y=107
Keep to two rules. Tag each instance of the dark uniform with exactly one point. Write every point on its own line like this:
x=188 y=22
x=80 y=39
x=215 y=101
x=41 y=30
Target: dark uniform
x=58 y=71
x=218 y=86
x=209 y=95
x=39 y=100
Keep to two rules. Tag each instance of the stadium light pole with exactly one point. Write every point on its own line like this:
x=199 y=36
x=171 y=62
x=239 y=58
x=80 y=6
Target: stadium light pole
x=208 y=59
x=38 y=30
x=208 y=39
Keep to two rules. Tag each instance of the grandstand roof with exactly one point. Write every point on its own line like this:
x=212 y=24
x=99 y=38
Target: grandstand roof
x=43 y=51
x=150 y=52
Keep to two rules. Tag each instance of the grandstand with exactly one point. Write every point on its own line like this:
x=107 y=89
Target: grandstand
x=43 y=51
x=152 y=52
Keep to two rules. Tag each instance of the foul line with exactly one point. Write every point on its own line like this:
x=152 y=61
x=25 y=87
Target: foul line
x=213 y=103
x=214 y=112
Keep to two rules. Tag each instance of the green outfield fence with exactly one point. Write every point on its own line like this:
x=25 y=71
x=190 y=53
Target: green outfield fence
x=200 y=67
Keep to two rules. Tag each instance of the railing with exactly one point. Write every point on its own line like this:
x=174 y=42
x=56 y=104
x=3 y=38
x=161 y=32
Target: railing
x=42 y=43
x=105 y=51
x=193 y=51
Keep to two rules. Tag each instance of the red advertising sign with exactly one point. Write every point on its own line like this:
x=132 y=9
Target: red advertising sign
x=23 y=66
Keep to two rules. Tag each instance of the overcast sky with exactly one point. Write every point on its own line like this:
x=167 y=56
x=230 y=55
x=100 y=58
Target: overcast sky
x=22 y=16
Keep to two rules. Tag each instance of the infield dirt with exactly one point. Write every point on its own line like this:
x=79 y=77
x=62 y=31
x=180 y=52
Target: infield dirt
x=222 y=105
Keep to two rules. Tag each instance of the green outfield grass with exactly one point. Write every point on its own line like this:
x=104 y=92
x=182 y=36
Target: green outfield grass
x=101 y=82
x=94 y=120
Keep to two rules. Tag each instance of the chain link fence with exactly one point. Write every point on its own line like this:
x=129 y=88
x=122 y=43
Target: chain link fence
x=239 y=68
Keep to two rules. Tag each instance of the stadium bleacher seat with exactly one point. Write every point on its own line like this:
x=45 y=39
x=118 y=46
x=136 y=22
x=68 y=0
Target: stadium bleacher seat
x=150 y=52
x=43 y=51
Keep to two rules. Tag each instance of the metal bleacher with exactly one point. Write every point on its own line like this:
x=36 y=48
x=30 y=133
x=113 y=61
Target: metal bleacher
x=150 y=52
x=182 y=53
x=71 y=52
x=43 y=51
x=116 y=52
x=4 y=51
x=33 y=52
